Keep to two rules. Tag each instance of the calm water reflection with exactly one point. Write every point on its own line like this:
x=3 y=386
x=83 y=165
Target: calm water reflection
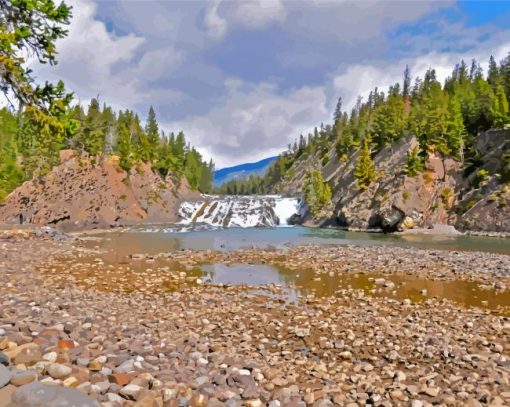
x=304 y=282
x=158 y=240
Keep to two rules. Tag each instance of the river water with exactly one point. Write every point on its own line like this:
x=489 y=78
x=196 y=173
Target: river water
x=116 y=248
x=157 y=239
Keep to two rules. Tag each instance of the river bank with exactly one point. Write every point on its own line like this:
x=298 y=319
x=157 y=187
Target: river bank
x=144 y=329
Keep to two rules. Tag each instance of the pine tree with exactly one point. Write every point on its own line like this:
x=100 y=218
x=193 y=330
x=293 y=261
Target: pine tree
x=317 y=191
x=152 y=132
x=338 y=110
x=504 y=70
x=499 y=108
x=179 y=153
x=125 y=143
x=456 y=131
x=11 y=173
x=389 y=121
x=414 y=162
x=93 y=130
x=406 y=88
x=493 y=76
x=365 y=168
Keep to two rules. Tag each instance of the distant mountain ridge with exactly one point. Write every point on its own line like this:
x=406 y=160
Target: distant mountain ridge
x=242 y=171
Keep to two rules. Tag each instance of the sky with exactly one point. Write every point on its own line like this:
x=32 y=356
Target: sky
x=245 y=78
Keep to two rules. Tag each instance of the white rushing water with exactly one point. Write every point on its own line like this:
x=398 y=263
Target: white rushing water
x=241 y=211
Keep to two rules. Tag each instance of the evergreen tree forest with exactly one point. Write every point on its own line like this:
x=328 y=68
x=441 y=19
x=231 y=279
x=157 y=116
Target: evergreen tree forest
x=39 y=120
x=100 y=131
x=445 y=118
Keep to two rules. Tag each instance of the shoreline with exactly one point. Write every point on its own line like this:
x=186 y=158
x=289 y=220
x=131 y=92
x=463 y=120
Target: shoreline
x=435 y=230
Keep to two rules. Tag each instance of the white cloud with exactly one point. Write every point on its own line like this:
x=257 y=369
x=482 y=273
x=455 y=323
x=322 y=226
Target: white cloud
x=258 y=13
x=255 y=121
x=215 y=25
x=252 y=14
x=360 y=79
x=94 y=61
x=178 y=56
x=87 y=58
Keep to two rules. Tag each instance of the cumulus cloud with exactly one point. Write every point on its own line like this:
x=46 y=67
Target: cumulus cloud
x=291 y=60
x=215 y=25
x=96 y=62
x=221 y=15
x=360 y=79
x=255 y=121
x=258 y=13
x=89 y=54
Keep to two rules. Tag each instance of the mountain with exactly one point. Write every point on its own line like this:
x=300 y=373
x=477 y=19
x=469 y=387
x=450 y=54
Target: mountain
x=242 y=171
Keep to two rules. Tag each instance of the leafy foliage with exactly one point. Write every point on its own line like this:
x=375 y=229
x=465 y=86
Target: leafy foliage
x=31 y=138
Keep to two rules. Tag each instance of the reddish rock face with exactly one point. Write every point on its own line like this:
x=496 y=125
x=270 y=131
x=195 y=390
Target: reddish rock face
x=81 y=193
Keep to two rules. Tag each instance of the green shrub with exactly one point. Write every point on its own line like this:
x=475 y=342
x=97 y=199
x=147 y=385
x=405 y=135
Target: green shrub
x=325 y=159
x=414 y=162
x=482 y=176
x=447 y=197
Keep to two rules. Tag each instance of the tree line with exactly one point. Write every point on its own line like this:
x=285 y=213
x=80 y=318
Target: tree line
x=99 y=131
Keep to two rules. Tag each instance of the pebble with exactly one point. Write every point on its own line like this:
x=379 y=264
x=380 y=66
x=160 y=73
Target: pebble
x=21 y=377
x=230 y=345
x=58 y=371
x=5 y=376
x=131 y=391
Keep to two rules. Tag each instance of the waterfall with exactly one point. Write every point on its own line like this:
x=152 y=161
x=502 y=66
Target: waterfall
x=241 y=211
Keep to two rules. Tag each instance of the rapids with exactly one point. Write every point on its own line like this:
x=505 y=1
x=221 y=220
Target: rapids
x=241 y=211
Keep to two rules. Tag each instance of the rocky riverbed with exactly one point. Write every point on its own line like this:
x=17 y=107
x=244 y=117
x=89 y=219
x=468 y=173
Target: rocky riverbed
x=145 y=330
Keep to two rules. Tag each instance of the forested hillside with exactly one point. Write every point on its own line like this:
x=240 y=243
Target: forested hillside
x=424 y=121
x=98 y=131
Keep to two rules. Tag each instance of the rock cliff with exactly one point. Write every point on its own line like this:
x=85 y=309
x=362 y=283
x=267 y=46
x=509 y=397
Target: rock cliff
x=442 y=194
x=81 y=193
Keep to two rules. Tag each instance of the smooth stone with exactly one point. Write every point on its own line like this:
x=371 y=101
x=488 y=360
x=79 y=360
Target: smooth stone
x=58 y=371
x=131 y=391
x=5 y=376
x=4 y=359
x=50 y=357
x=6 y=395
x=114 y=398
x=28 y=356
x=126 y=367
x=37 y=394
x=22 y=377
